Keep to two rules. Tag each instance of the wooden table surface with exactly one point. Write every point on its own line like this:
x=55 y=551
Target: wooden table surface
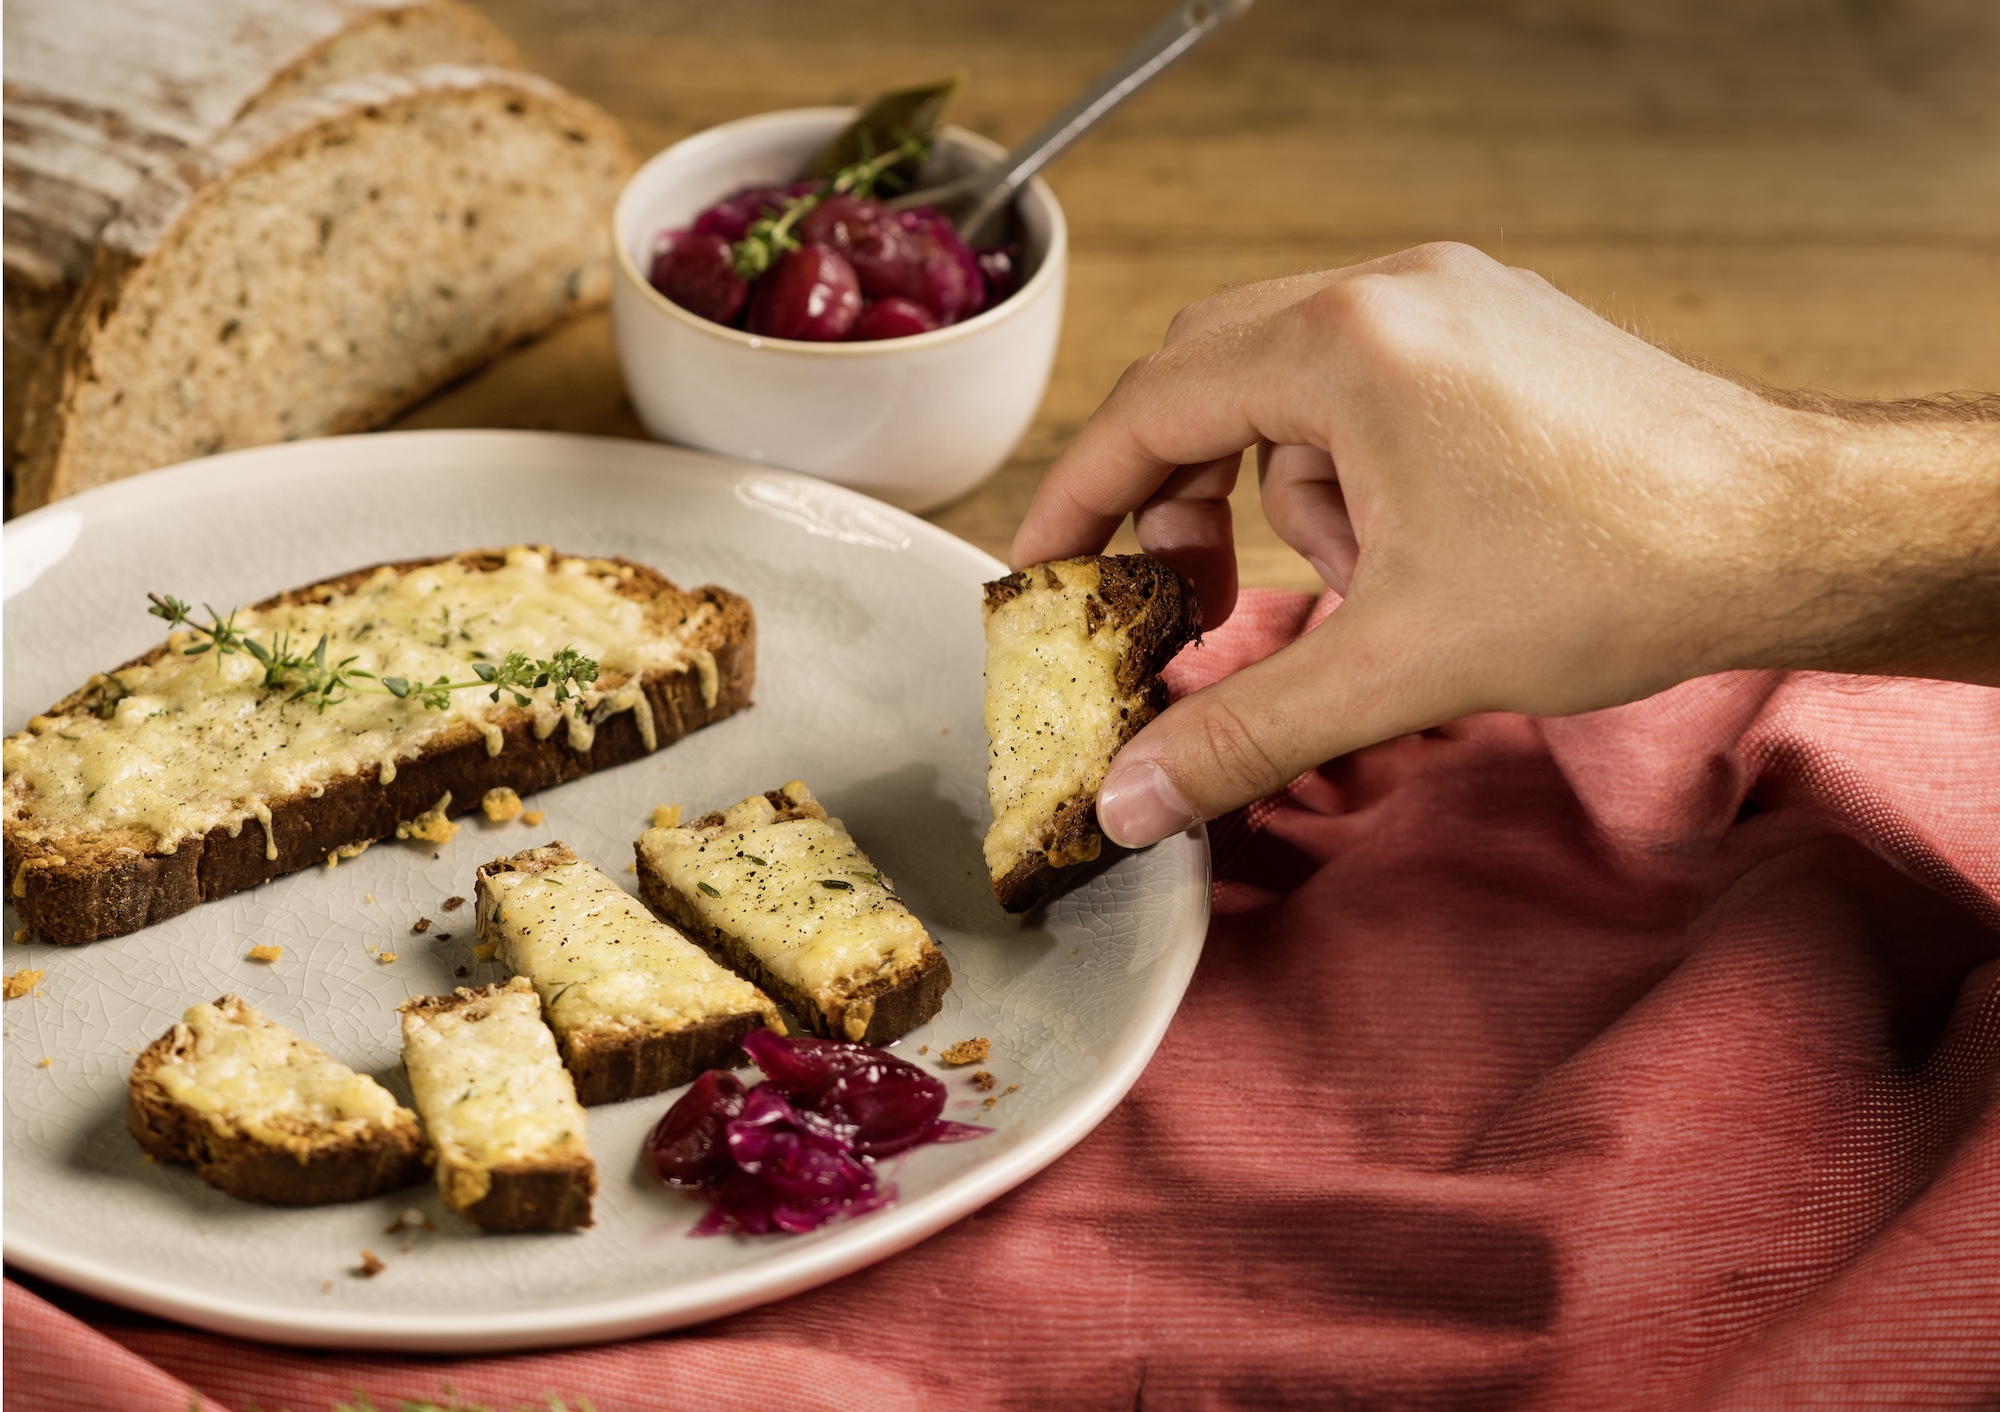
x=1806 y=189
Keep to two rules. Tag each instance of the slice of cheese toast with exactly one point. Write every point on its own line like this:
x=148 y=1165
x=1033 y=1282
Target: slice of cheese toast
x=177 y=779
x=500 y=1107
x=1074 y=651
x=789 y=900
x=267 y=1116
x=635 y=1006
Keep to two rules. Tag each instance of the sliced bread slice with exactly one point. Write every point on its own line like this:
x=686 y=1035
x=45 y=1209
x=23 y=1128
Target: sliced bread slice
x=267 y=1116
x=791 y=901
x=1074 y=651
x=502 y=1113
x=177 y=779
x=635 y=1006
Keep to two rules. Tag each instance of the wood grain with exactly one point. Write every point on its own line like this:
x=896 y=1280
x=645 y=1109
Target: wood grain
x=1806 y=189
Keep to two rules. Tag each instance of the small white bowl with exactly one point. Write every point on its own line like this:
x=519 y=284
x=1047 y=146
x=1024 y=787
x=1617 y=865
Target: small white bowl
x=914 y=421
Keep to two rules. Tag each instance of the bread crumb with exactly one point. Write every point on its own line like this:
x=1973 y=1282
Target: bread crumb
x=460 y=971
x=432 y=826
x=987 y=1106
x=452 y=904
x=423 y=924
x=532 y=818
x=967 y=1051
x=485 y=951
x=666 y=816
x=501 y=804
x=266 y=953
x=386 y=958
x=21 y=982
x=444 y=936
x=46 y=1061
x=371 y=1264
x=983 y=1081
x=1011 y=1088
x=367 y=897
x=326 y=1286
x=21 y=934
x=923 y=1049
x=410 y=1220
x=632 y=868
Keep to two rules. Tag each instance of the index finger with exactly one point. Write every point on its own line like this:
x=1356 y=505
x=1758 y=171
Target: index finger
x=1198 y=400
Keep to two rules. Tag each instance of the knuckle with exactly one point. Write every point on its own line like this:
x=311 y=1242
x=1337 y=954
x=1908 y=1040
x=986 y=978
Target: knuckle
x=1238 y=760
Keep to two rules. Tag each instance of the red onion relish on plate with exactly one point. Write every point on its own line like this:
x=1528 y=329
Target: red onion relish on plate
x=798 y=1149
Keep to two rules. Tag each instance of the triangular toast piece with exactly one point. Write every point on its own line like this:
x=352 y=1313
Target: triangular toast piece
x=1074 y=651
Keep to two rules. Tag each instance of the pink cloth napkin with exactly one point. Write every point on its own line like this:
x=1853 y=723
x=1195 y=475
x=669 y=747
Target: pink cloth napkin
x=1642 y=1059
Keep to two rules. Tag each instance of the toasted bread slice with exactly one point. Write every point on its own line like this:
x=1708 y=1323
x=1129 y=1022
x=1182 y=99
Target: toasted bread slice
x=500 y=1107
x=178 y=779
x=790 y=900
x=267 y=1116
x=1074 y=651
x=635 y=1006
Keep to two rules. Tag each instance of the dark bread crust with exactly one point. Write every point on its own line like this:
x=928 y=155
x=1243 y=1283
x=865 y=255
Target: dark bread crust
x=1158 y=605
x=549 y=1193
x=893 y=1005
x=610 y=1066
x=100 y=892
x=344 y=1169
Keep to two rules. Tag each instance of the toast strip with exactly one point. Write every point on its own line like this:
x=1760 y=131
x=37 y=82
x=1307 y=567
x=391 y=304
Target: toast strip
x=1074 y=651
x=109 y=829
x=500 y=1107
x=267 y=1116
x=789 y=899
x=635 y=1006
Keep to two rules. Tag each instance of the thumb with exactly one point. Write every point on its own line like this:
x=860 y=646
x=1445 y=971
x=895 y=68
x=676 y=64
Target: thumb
x=1357 y=678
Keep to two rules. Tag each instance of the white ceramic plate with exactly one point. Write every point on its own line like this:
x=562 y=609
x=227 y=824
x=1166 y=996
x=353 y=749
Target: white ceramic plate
x=868 y=688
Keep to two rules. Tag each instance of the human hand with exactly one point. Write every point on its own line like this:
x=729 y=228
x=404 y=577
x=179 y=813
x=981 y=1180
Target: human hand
x=1526 y=508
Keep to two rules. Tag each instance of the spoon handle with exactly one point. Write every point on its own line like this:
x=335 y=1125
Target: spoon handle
x=1184 y=27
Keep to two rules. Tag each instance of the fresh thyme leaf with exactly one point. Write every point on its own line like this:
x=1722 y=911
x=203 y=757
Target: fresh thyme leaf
x=707 y=889
x=875 y=878
x=758 y=861
x=837 y=884
x=307 y=676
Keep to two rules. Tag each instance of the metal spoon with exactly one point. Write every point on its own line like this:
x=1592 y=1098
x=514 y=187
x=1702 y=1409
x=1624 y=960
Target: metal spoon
x=977 y=201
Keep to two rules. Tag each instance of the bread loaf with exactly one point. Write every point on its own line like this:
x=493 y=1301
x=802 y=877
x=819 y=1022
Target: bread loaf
x=250 y=221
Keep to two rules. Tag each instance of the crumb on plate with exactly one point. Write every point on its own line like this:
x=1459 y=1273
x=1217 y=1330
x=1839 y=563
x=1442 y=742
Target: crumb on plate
x=485 y=951
x=666 y=816
x=501 y=804
x=266 y=953
x=385 y=958
x=46 y=1061
x=423 y=924
x=431 y=826
x=983 y=1080
x=452 y=904
x=371 y=1264
x=21 y=982
x=532 y=818
x=968 y=1051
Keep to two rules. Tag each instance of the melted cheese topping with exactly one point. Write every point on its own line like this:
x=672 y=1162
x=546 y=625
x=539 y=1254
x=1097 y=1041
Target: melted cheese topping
x=599 y=959
x=491 y=1088
x=1053 y=710
x=195 y=743
x=245 y=1073
x=763 y=883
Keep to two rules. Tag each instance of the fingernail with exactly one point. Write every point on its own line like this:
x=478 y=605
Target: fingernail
x=1138 y=805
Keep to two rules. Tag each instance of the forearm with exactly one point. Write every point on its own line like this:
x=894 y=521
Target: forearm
x=1892 y=544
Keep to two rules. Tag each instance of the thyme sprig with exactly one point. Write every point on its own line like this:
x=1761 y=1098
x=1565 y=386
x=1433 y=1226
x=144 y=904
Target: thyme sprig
x=771 y=236
x=305 y=674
